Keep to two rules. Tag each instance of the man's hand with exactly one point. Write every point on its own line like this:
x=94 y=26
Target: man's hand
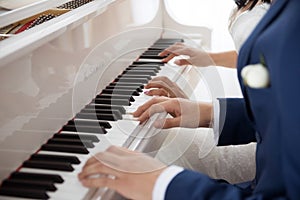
x=130 y=173
x=185 y=113
x=163 y=86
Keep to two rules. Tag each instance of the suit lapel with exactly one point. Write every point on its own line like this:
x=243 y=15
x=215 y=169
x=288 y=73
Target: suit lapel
x=267 y=19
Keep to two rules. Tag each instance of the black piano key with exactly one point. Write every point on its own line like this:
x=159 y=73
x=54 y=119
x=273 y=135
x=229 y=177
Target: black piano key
x=104 y=124
x=145 y=67
x=118 y=102
x=29 y=184
x=86 y=143
x=147 y=56
x=142 y=72
x=46 y=157
x=151 y=52
x=144 y=63
x=108 y=117
x=134 y=76
x=132 y=80
x=140 y=85
x=37 y=176
x=103 y=111
x=51 y=165
x=121 y=87
x=85 y=129
x=160 y=45
x=138 y=68
x=77 y=136
x=160 y=48
x=113 y=96
x=24 y=193
x=120 y=92
x=65 y=148
x=169 y=40
x=168 y=44
x=121 y=109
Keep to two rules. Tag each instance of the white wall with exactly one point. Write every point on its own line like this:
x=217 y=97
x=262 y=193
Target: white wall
x=212 y=13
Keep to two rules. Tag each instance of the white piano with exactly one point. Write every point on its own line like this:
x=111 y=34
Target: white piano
x=50 y=76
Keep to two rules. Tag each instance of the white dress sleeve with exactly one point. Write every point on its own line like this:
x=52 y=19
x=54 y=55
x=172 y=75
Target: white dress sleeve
x=245 y=23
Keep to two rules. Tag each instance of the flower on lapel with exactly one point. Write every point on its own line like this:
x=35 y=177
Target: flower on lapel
x=256 y=75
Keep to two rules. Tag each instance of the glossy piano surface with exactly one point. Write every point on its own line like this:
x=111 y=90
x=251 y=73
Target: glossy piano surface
x=52 y=71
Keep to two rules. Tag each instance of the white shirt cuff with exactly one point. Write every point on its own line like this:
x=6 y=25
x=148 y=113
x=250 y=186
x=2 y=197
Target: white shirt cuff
x=216 y=107
x=163 y=181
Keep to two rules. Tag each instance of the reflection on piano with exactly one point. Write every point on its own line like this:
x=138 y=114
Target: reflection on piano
x=68 y=87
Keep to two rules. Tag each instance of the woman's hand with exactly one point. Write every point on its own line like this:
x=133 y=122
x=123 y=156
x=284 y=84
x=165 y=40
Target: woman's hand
x=163 y=86
x=130 y=173
x=197 y=57
x=185 y=113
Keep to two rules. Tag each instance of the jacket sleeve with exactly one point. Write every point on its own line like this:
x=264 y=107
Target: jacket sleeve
x=234 y=125
x=196 y=186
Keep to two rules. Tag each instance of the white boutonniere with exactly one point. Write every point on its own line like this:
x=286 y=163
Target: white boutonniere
x=256 y=75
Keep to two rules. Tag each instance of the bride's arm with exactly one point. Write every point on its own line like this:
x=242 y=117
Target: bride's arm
x=225 y=59
x=199 y=57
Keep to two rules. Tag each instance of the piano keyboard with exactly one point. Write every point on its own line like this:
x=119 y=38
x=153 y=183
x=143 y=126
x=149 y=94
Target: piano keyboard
x=51 y=172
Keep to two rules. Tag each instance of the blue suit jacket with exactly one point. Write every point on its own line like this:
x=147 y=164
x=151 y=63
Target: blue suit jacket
x=271 y=115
